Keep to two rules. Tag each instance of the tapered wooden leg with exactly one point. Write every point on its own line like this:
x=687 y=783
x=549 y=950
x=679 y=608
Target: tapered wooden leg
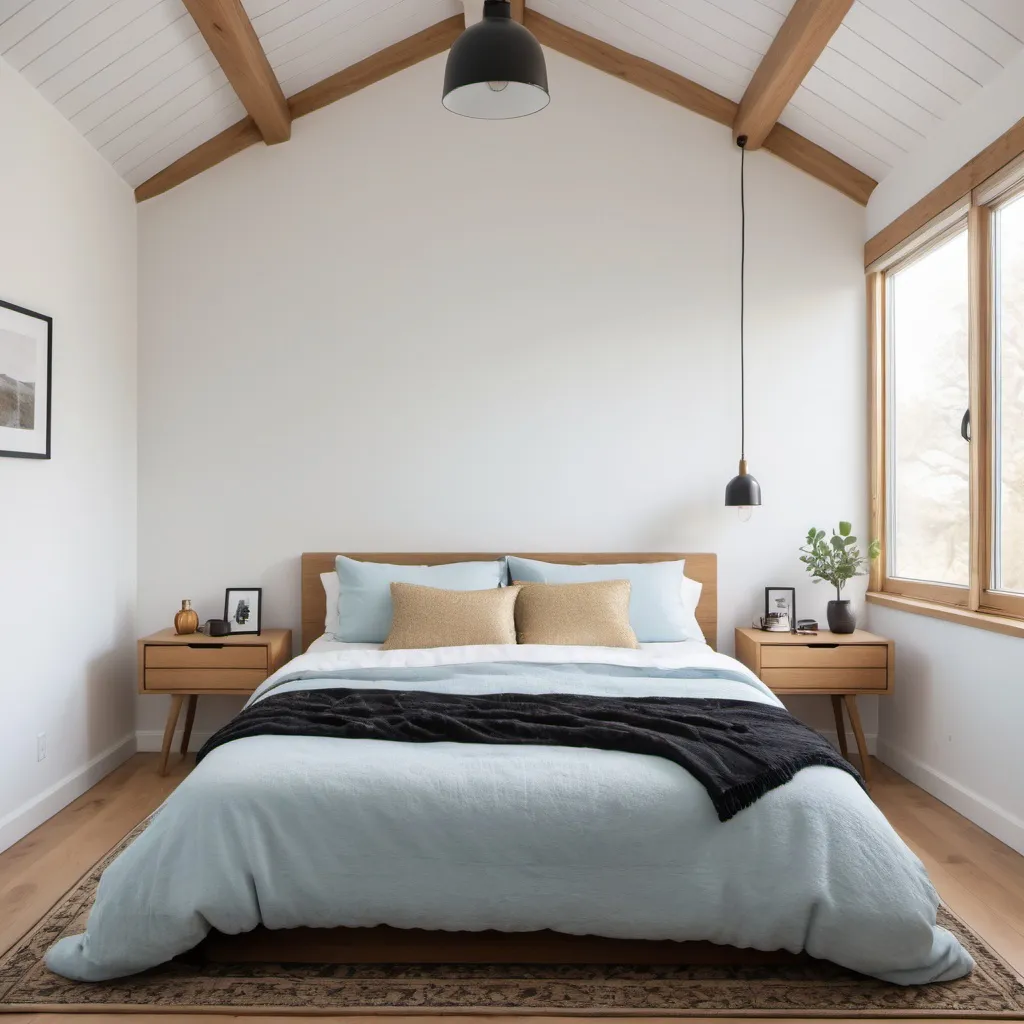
x=172 y=721
x=837 y=711
x=850 y=700
x=190 y=717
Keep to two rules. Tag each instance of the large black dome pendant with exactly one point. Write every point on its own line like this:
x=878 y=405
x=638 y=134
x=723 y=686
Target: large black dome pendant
x=496 y=68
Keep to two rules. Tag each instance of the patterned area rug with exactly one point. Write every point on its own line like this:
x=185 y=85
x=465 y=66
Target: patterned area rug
x=809 y=988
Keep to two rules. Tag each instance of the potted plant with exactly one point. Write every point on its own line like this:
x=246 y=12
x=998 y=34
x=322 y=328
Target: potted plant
x=836 y=561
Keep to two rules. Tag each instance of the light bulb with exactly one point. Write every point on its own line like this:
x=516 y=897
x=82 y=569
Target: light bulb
x=744 y=512
x=497 y=86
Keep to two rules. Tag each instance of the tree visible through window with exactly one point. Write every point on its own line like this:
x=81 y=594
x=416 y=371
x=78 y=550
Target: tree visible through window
x=946 y=327
x=929 y=460
x=1008 y=419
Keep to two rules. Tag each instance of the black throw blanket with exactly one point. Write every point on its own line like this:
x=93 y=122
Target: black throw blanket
x=737 y=750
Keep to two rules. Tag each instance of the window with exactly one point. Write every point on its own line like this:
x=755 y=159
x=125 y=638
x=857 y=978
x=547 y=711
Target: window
x=929 y=391
x=946 y=317
x=1008 y=389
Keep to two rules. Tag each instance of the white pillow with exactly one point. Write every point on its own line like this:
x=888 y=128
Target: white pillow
x=690 y=592
x=332 y=591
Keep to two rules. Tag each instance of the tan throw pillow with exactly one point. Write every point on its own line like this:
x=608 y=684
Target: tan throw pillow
x=430 y=617
x=584 y=614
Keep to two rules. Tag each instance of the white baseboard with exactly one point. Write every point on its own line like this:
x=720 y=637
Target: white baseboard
x=152 y=739
x=993 y=819
x=30 y=815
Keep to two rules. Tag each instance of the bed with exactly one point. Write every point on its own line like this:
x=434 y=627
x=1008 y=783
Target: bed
x=308 y=831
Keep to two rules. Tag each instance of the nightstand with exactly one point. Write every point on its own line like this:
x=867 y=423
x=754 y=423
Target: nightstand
x=195 y=664
x=841 y=665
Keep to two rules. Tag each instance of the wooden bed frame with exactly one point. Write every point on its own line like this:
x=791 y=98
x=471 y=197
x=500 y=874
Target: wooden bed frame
x=701 y=567
x=397 y=945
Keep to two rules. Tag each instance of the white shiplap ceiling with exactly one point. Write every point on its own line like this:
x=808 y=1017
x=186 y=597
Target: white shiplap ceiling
x=140 y=83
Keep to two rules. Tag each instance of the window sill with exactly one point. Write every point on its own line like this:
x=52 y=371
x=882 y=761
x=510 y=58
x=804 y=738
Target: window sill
x=966 y=617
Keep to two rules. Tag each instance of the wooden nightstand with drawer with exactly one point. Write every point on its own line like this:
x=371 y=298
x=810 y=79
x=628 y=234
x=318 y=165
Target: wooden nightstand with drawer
x=195 y=664
x=841 y=665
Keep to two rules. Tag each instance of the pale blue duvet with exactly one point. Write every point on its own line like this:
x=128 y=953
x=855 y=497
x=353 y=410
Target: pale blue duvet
x=290 y=831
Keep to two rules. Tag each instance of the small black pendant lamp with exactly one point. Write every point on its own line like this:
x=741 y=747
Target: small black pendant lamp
x=496 y=68
x=742 y=491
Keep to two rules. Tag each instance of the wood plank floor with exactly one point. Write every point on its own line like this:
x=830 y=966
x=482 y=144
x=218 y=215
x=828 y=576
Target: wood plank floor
x=979 y=877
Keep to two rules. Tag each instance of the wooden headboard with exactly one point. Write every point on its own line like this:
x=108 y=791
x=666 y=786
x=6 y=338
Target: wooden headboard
x=703 y=568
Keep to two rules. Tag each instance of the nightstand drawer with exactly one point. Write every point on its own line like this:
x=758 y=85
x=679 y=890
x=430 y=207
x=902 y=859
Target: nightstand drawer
x=820 y=656
x=195 y=680
x=205 y=656
x=825 y=680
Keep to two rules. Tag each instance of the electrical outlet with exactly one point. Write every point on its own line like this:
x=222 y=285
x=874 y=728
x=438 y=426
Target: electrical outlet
x=41 y=746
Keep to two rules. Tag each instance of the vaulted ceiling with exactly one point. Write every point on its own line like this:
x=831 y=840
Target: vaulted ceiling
x=138 y=79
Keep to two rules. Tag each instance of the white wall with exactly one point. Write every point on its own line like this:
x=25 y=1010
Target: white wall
x=67 y=525
x=952 y=725
x=409 y=330
x=965 y=133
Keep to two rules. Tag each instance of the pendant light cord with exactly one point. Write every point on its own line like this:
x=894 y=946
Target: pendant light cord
x=742 y=143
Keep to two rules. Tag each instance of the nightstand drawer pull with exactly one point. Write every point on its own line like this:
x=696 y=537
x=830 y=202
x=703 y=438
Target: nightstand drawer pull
x=209 y=647
x=824 y=656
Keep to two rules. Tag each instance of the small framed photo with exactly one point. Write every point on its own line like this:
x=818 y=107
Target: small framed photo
x=242 y=609
x=26 y=360
x=779 y=609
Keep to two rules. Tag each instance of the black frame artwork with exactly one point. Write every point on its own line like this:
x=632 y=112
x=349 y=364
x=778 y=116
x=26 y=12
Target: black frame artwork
x=768 y=591
x=46 y=388
x=245 y=628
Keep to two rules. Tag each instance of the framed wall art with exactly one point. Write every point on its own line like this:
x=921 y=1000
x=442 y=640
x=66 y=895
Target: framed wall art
x=26 y=362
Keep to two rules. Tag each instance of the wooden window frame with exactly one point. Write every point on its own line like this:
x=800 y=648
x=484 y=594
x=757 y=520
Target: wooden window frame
x=977 y=604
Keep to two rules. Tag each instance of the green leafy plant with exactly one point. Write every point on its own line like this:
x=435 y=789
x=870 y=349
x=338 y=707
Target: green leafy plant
x=837 y=560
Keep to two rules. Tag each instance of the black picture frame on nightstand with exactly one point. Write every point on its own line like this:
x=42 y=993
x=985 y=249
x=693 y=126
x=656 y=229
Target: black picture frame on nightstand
x=768 y=599
x=239 y=611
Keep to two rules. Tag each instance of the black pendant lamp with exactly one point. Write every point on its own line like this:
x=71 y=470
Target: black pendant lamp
x=496 y=68
x=742 y=492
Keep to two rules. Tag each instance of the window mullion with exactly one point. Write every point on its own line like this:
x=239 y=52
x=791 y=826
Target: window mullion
x=877 y=423
x=979 y=226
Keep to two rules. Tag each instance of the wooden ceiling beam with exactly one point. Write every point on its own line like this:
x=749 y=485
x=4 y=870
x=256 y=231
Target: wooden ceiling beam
x=229 y=34
x=819 y=163
x=653 y=78
x=643 y=74
x=433 y=40
x=397 y=57
x=232 y=140
x=804 y=35
x=625 y=66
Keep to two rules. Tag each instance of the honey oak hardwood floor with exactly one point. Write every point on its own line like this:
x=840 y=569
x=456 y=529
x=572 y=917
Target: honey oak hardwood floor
x=980 y=878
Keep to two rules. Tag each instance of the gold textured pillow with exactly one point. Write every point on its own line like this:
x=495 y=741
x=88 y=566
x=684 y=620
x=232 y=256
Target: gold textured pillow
x=430 y=617
x=584 y=614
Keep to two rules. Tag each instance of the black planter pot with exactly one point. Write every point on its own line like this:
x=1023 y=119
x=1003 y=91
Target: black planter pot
x=841 y=618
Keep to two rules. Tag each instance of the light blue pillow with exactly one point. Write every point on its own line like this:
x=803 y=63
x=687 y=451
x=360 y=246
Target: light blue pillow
x=659 y=608
x=364 y=601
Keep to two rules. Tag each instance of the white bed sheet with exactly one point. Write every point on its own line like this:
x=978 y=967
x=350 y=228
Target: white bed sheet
x=326 y=643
